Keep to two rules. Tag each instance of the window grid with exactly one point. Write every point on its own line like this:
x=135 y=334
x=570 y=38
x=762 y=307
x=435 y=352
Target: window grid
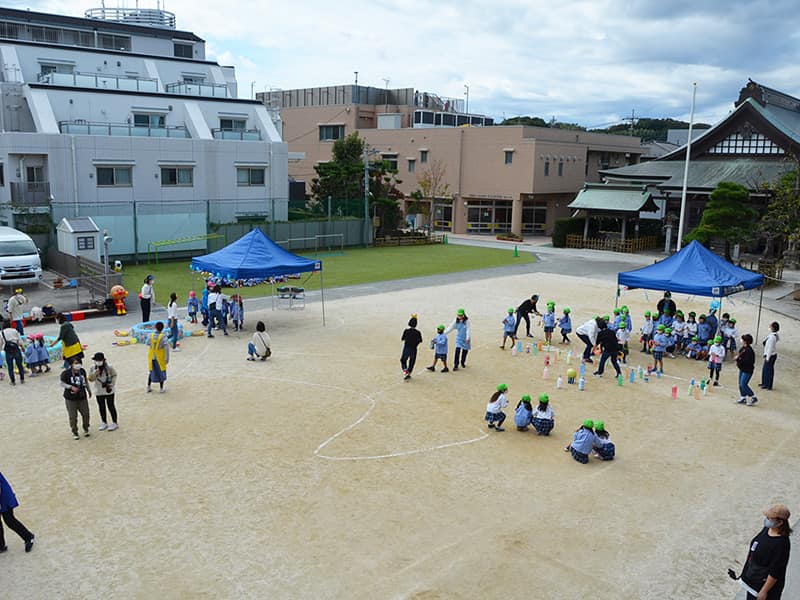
x=86 y=243
x=177 y=176
x=250 y=176
x=509 y=157
x=330 y=133
x=756 y=143
x=114 y=176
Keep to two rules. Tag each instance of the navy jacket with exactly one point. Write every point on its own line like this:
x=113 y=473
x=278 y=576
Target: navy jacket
x=8 y=500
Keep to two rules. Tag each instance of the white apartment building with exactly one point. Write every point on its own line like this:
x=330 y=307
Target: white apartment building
x=118 y=116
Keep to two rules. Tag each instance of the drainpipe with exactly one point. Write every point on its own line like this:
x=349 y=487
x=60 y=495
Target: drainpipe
x=74 y=175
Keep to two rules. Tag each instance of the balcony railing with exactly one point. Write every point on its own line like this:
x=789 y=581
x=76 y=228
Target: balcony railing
x=30 y=193
x=207 y=90
x=252 y=135
x=101 y=81
x=81 y=127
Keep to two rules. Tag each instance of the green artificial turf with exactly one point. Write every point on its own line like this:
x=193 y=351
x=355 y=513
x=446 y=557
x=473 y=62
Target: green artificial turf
x=354 y=266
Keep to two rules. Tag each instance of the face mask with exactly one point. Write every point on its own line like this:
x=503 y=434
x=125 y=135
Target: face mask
x=98 y=364
x=769 y=523
x=76 y=368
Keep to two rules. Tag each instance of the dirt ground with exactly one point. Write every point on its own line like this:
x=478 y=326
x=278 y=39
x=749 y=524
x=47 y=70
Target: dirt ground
x=321 y=474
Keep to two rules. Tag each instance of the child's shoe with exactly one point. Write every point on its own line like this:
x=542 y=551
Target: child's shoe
x=454 y=368
x=498 y=428
x=742 y=400
x=103 y=427
x=752 y=401
x=431 y=368
x=445 y=370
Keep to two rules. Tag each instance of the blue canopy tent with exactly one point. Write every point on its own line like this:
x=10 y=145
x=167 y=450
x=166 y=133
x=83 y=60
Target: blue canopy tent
x=255 y=256
x=697 y=271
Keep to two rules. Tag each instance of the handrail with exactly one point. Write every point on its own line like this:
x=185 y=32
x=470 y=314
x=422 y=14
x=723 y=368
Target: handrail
x=79 y=126
x=100 y=81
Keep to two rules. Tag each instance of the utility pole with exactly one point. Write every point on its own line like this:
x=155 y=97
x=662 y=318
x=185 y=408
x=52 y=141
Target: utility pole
x=252 y=90
x=386 y=94
x=356 y=99
x=366 y=195
x=686 y=170
x=466 y=93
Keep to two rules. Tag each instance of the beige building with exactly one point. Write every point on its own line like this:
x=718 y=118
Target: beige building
x=495 y=178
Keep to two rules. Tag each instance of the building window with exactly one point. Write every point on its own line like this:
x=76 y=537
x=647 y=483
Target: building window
x=248 y=176
x=86 y=243
x=560 y=169
x=509 y=157
x=34 y=174
x=233 y=124
x=547 y=168
x=390 y=160
x=153 y=121
x=2 y=175
x=423 y=156
x=184 y=50
x=114 y=176
x=329 y=133
x=746 y=142
x=177 y=176
x=412 y=166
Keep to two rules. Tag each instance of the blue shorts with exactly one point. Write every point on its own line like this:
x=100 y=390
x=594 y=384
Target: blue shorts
x=549 y=329
x=543 y=426
x=579 y=456
x=494 y=417
x=440 y=356
x=658 y=355
x=714 y=366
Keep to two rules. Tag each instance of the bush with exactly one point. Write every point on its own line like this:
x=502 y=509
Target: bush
x=563 y=227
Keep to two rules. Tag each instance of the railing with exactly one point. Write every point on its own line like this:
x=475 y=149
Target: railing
x=410 y=240
x=206 y=90
x=135 y=16
x=100 y=81
x=613 y=245
x=30 y=193
x=253 y=135
x=80 y=127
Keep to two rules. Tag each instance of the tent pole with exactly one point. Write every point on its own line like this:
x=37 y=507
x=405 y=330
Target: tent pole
x=718 y=331
x=758 y=322
x=616 y=298
x=322 y=292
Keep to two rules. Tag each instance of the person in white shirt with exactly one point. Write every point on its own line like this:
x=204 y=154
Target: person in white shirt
x=587 y=333
x=12 y=346
x=215 y=300
x=147 y=297
x=623 y=337
x=172 y=320
x=494 y=408
x=16 y=310
x=260 y=345
x=716 y=354
x=770 y=356
x=544 y=416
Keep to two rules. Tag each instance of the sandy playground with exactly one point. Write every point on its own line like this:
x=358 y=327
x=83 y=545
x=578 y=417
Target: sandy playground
x=321 y=474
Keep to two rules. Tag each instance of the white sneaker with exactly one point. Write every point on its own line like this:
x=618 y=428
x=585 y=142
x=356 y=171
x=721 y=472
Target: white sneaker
x=176 y=349
x=103 y=427
x=113 y=427
x=163 y=389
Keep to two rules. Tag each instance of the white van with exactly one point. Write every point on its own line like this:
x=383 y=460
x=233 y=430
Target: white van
x=20 y=262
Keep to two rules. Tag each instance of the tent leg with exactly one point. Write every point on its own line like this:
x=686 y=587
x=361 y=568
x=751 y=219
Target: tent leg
x=760 y=302
x=272 y=284
x=322 y=293
x=616 y=299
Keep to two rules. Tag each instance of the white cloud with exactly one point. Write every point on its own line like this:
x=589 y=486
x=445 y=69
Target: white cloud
x=589 y=61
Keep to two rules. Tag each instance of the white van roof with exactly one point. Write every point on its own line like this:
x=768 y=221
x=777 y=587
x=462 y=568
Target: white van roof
x=9 y=233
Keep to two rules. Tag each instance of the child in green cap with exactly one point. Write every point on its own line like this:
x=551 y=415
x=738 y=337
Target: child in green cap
x=716 y=354
x=544 y=416
x=494 y=408
x=582 y=442
x=439 y=347
x=509 y=324
x=603 y=447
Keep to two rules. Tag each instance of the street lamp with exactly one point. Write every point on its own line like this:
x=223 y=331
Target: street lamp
x=367 y=152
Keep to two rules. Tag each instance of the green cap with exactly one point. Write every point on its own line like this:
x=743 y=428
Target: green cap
x=709 y=342
x=679 y=313
x=567 y=311
x=668 y=329
x=511 y=311
x=732 y=321
x=660 y=328
x=599 y=426
x=692 y=313
x=623 y=308
x=550 y=304
x=647 y=313
x=502 y=387
x=616 y=311
x=701 y=317
x=717 y=339
x=655 y=314
x=544 y=398
x=588 y=423
x=695 y=339
x=526 y=398
x=606 y=318
x=440 y=328
x=460 y=312
x=666 y=311
x=622 y=323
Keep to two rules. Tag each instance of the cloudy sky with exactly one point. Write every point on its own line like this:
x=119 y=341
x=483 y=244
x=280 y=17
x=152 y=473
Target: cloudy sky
x=590 y=62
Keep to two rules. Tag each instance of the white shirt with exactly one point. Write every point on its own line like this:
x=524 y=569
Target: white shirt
x=691 y=328
x=215 y=300
x=548 y=413
x=716 y=353
x=623 y=335
x=172 y=310
x=679 y=327
x=261 y=341
x=147 y=291
x=770 y=343
x=12 y=335
x=498 y=405
x=16 y=307
x=589 y=329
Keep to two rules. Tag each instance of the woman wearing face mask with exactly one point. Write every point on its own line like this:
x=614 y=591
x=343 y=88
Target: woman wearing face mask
x=147 y=297
x=764 y=572
x=105 y=378
x=76 y=394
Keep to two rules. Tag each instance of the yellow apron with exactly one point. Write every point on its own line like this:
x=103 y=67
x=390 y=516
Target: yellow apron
x=157 y=352
x=70 y=351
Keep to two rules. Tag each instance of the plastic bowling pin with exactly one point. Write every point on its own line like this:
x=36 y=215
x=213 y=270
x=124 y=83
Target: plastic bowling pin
x=633 y=376
x=540 y=346
x=581 y=384
x=691 y=386
x=641 y=372
x=536 y=350
x=513 y=350
x=547 y=360
x=519 y=346
x=527 y=348
x=697 y=393
x=674 y=392
x=559 y=382
x=545 y=372
x=569 y=357
x=583 y=369
x=620 y=379
x=558 y=355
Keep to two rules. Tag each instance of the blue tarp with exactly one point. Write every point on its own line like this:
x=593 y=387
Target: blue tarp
x=254 y=256
x=694 y=270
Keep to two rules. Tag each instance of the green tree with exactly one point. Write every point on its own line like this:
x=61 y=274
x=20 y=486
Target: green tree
x=530 y=121
x=341 y=178
x=433 y=184
x=780 y=223
x=727 y=216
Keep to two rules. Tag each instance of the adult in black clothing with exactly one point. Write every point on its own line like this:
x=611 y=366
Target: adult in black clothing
x=76 y=393
x=607 y=340
x=523 y=310
x=411 y=338
x=746 y=361
x=764 y=571
x=667 y=303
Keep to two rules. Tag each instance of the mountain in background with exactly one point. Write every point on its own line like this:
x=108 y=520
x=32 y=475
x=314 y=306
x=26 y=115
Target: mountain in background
x=650 y=130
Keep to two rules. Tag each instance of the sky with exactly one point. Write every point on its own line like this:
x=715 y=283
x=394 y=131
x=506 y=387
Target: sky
x=590 y=62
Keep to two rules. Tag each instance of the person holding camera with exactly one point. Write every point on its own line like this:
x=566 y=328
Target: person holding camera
x=104 y=377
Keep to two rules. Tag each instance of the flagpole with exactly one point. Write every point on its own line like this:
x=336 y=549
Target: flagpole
x=686 y=170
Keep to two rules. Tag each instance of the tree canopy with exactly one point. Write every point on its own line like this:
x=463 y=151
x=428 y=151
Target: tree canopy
x=647 y=129
x=727 y=216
